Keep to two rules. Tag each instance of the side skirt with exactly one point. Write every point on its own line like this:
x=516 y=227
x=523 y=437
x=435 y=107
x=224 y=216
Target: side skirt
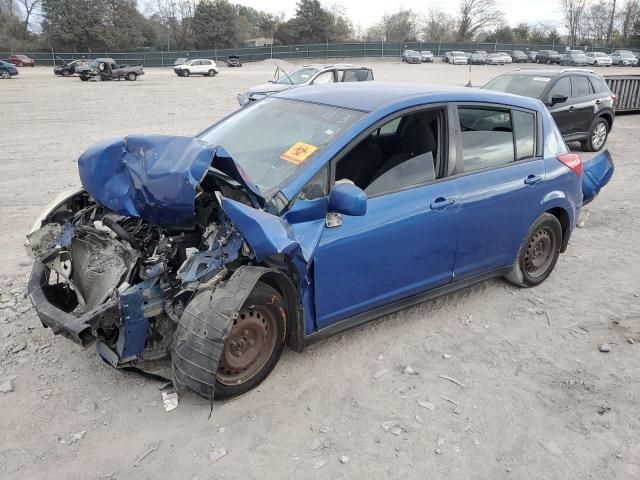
x=393 y=307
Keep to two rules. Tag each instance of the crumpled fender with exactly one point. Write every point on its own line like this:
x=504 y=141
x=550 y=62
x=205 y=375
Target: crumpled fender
x=155 y=176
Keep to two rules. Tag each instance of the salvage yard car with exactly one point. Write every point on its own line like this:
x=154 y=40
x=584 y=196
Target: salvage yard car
x=197 y=66
x=302 y=215
x=411 y=56
x=599 y=59
x=307 y=75
x=69 y=69
x=579 y=100
x=7 y=70
x=22 y=61
x=107 y=69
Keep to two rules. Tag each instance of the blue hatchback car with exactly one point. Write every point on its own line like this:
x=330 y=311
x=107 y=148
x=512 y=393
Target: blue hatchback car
x=7 y=70
x=297 y=217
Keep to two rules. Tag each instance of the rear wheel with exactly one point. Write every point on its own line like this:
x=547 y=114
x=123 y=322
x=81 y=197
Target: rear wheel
x=597 y=135
x=538 y=253
x=212 y=73
x=66 y=73
x=254 y=344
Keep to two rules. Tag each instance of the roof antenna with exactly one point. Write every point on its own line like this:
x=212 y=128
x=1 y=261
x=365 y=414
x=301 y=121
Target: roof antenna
x=469 y=82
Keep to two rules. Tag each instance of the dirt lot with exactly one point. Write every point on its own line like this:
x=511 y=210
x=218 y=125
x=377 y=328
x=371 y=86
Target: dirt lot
x=539 y=400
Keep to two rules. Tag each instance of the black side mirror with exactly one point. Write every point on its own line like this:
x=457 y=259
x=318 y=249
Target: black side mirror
x=558 y=99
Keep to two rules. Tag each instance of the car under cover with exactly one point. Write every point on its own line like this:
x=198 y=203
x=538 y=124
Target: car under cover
x=159 y=220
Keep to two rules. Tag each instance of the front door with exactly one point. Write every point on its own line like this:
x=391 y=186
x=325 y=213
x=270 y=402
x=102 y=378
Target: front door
x=564 y=112
x=403 y=245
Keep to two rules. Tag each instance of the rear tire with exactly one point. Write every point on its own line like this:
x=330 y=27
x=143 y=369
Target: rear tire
x=66 y=73
x=212 y=73
x=597 y=135
x=538 y=252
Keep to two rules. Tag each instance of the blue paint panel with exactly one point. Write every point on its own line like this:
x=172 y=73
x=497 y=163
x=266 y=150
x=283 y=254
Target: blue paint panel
x=596 y=174
x=137 y=303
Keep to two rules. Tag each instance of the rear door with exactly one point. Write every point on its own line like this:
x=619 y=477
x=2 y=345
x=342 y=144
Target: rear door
x=583 y=103
x=501 y=178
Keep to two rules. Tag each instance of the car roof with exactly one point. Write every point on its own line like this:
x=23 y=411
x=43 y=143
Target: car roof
x=541 y=72
x=322 y=66
x=369 y=96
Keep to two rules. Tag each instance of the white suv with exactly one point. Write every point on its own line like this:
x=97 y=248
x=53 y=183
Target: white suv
x=197 y=66
x=598 y=59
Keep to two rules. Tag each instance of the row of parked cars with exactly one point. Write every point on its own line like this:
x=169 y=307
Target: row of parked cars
x=621 y=58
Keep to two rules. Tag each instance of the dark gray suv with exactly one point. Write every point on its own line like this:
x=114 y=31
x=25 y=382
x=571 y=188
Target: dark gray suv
x=579 y=101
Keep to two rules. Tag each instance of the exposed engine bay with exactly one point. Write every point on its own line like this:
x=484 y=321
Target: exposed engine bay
x=146 y=273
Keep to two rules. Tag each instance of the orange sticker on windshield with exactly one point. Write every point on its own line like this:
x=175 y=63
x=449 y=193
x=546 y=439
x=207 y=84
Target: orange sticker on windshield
x=298 y=153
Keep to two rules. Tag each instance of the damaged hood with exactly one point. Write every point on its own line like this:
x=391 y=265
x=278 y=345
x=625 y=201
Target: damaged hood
x=270 y=88
x=155 y=177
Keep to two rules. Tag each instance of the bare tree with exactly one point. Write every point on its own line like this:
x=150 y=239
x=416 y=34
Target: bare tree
x=573 y=12
x=629 y=15
x=476 y=16
x=612 y=16
x=438 y=25
x=29 y=7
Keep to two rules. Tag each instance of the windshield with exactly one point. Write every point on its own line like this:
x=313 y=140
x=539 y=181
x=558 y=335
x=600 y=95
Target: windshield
x=298 y=77
x=527 y=85
x=274 y=137
x=626 y=54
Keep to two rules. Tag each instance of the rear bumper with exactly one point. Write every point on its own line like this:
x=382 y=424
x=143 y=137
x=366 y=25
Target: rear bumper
x=78 y=329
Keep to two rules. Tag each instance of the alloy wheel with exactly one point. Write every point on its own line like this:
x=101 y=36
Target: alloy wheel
x=599 y=135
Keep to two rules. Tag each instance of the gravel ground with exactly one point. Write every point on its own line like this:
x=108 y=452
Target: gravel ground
x=539 y=401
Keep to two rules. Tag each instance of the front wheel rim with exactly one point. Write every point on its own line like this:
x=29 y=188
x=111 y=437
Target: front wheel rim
x=249 y=345
x=599 y=135
x=540 y=252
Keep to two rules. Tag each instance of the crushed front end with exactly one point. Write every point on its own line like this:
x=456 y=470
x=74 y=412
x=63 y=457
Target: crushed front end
x=117 y=262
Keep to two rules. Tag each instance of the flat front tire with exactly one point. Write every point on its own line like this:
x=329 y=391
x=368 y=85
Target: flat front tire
x=538 y=252
x=254 y=344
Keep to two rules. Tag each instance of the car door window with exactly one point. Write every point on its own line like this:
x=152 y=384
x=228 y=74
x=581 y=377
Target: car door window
x=487 y=138
x=562 y=88
x=326 y=77
x=317 y=187
x=525 y=134
x=581 y=86
x=410 y=155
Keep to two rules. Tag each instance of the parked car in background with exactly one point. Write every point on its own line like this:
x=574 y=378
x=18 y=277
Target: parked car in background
x=478 y=57
x=548 y=57
x=532 y=55
x=579 y=101
x=494 y=59
x=411 y=56
x=7 y=70
x=506 y=56
x=307 y=75
x=234 y=61
x=70 y=68
x=574 y=58
x=197 y=66
x=218 y=257
x=426 y=56
x=445 y=57
x=458 y=58
x=624 y=58
x=108 y=69
x=599 y=59
x=518 y=56
x=22 y=61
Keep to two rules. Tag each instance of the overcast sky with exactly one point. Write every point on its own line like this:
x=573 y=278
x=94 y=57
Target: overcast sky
x=368 y=12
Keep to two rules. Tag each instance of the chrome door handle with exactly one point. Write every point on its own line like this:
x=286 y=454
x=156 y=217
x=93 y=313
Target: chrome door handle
x=441 y=203
x=532 y=179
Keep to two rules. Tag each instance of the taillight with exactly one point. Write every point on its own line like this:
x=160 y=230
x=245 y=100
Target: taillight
x=614 y=99
x=573 y=161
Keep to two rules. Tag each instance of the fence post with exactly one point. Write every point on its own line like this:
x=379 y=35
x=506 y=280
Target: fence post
x=382 y=54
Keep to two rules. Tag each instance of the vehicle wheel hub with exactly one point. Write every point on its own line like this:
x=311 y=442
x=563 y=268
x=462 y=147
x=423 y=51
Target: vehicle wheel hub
x=599 y=134
x=539 y=252
x=248 y=346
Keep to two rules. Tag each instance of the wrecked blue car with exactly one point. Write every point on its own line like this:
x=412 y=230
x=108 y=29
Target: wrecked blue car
x=304 y=214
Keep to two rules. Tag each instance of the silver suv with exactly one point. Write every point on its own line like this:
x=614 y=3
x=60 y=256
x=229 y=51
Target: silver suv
x=307 y=75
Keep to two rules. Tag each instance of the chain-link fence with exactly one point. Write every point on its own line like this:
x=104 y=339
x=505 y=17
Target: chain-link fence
x=153 y=58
